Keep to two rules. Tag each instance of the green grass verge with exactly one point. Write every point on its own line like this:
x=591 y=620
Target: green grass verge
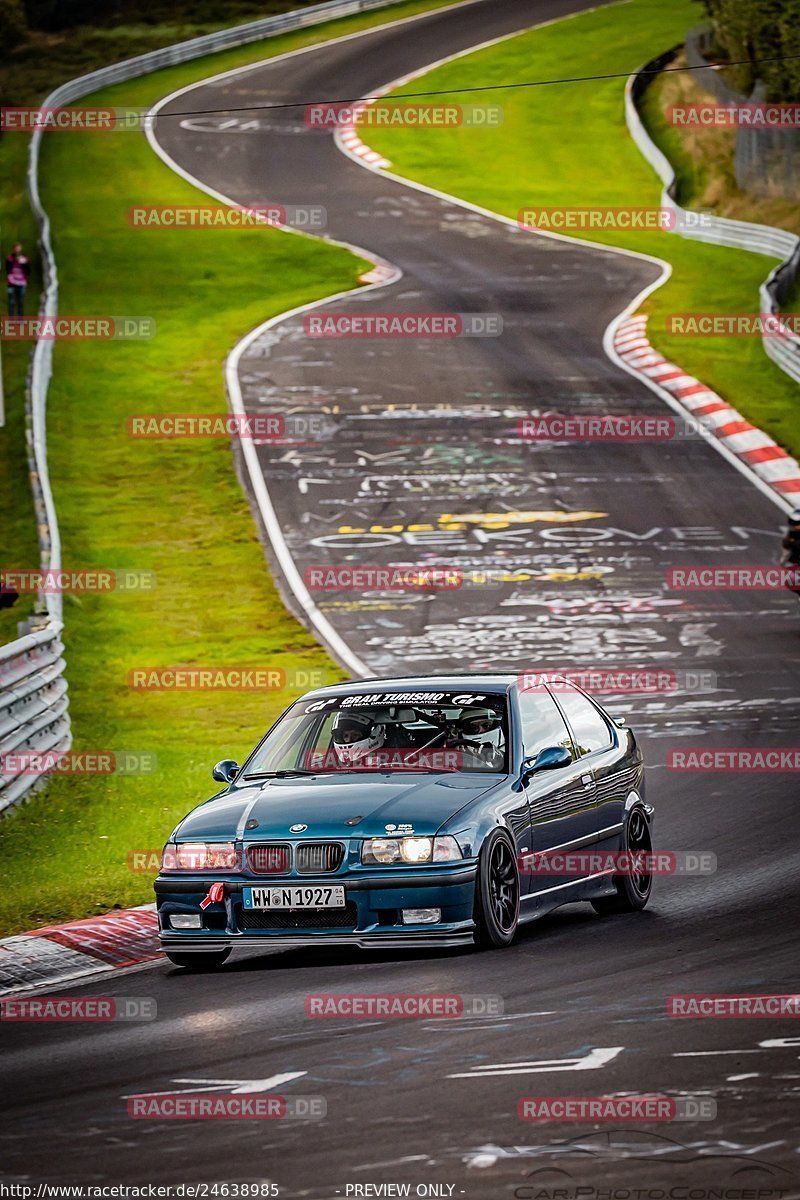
x=18 y=542
x=568 y=145
x=172 y=508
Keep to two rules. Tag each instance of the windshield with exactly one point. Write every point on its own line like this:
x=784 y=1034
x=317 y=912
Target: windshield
x=389 y=731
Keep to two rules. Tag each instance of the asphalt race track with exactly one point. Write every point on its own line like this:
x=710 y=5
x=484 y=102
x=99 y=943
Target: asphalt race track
x=423 y=433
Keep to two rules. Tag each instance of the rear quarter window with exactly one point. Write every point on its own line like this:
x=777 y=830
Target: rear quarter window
x=589 y=726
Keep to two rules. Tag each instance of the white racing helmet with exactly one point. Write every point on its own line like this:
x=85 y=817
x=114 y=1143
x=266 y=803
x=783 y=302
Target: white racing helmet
x=481 y=730
x=355 y=735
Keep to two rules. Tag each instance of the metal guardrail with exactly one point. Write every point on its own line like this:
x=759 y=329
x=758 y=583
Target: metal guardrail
x=208 y=43
x=783 y=348
x=33 y=708
x=34 y=712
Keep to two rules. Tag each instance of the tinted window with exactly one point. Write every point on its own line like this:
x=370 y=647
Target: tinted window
x=589 y=728
x=542 y=723
x=380 y=731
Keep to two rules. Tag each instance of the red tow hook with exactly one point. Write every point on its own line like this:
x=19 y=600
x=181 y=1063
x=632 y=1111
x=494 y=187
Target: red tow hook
x=216 y=894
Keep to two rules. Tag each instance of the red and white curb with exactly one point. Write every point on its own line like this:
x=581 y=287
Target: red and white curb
x=348 y=137
x=349 y=140
x=59 y=954
x=777 y=469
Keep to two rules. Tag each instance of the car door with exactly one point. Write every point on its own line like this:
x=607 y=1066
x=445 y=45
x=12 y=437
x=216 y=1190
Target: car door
x=596 y=742
x=561 y=801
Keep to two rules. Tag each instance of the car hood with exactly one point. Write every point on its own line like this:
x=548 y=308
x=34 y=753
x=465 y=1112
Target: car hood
x=329 y=806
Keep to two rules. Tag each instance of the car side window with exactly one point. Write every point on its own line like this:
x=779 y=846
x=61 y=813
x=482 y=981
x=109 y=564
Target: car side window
x=542 y=723
x=589 y=727
x=319 y=754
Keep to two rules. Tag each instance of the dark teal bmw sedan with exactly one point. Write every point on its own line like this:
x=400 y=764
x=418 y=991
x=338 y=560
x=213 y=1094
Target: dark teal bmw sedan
x=410 y=812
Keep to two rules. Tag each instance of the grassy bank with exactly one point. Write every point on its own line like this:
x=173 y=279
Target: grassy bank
x=173 y=508
x=703 y=158
x=567 y=145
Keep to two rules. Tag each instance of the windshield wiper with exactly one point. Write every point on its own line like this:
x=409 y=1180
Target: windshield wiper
x=285 y=774
x=389 y=770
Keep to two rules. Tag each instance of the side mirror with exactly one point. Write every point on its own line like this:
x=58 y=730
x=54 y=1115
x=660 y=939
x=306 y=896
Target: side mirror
x=549 y=759
x=619 y=722
x=225 y=771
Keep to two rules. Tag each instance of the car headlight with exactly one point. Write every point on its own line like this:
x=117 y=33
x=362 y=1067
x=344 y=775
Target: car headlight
x=412 y=850
x=200 y=856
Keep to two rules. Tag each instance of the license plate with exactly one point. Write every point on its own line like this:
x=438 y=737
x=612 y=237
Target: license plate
x=295 y=897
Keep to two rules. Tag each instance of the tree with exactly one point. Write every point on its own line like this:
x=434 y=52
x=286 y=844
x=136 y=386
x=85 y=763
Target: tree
x=760 y=29
x=13 y=25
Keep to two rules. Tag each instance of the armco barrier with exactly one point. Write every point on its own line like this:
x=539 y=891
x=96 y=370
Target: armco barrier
x=33 y=692
x=33 y=706
x=744 y=235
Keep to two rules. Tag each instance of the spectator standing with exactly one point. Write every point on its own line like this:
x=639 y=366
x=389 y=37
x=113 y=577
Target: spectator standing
x=18 y=271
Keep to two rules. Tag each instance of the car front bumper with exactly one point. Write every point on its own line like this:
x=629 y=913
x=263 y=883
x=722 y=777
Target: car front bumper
x=372 y=917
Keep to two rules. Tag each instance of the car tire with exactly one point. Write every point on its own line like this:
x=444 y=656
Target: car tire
x=633 y=891
x=497 y=892
x=201 y=960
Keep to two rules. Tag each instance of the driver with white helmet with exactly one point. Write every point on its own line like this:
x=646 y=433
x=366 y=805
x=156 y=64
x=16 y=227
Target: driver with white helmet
x=356 y=734
x=480 y=731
